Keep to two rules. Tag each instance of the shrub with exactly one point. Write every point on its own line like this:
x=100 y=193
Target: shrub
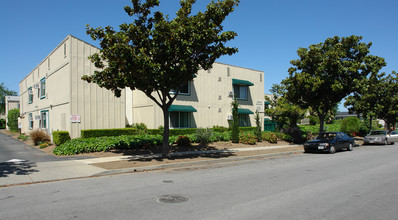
x=2 y=123
x=108 y=132
x=203 y=136
x=23 y=137
x=140 y=127
x=183 y=141
x=39 y=136
x=270 y=137
x=350 y=126
x=247 y=138
x=297 y=134
x=86 y=145
x=43 y=145
x=257 y=131
x=12 y=119
x=60 y=137
x=313 y=120
x=235 y=121
x=218 y=128
x=284 y=137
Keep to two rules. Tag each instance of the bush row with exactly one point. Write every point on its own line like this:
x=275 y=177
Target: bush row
x=134 y=131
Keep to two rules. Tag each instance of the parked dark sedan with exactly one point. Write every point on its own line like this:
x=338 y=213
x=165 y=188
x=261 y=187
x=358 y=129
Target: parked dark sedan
x=329 y=142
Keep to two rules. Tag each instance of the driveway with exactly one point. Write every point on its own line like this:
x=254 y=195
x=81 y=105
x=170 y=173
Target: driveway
x=15 y=150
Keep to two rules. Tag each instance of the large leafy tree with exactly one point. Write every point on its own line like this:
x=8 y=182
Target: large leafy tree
x=389 y=100
x=4 y=91
x=154 y=54
x=327 y=72
x=367 y=99
x=283 y=111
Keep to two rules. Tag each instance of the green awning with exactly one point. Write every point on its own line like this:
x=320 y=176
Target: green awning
x=241 y=82
x=244 y=111
x=267 y=102
x=182 y=108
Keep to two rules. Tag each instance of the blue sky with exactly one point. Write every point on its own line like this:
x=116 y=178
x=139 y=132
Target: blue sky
x=269 y=31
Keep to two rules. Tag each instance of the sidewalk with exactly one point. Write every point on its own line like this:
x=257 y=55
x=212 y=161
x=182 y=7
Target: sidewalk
x=16 y=173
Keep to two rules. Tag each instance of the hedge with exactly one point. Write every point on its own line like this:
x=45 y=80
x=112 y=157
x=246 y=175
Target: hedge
x=132 y=131
x=108 y=132
x=60 y=137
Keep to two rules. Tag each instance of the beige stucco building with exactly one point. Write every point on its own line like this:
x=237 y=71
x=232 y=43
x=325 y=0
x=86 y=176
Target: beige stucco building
x=53 y=96
x=205 y=101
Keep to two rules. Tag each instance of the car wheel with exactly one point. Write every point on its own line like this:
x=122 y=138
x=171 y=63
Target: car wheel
x=349 y=148
x=332 y=149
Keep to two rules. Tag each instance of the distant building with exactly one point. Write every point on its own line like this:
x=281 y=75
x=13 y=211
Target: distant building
x=343 y=115
x=11 y=102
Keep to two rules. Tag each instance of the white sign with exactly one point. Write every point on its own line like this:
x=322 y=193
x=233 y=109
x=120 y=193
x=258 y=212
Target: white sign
x=19 y=125
x=75 y=118
x=260 y=106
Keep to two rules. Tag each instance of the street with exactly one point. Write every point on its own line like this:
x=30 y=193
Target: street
x=361 y=184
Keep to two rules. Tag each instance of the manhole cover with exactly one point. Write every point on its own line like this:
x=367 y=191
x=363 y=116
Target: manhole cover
x=168 y=181
x=172 y=199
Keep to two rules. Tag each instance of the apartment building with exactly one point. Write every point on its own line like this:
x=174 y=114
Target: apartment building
x=205 y=101
x=53 y=96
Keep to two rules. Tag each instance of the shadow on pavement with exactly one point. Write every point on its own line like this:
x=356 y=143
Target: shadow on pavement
x=10 y=168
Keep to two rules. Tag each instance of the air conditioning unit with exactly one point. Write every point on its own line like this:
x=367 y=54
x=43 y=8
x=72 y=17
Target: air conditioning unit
x=229 y=117
x=231 y=94
x=36 y=86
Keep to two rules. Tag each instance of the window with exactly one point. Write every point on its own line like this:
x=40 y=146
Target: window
x=42 y=88
x=180 y=119
x=244 y=120
x=240 y=92
x=30 y=95
x=30 y=118
x=44 y=119
x=183 y=90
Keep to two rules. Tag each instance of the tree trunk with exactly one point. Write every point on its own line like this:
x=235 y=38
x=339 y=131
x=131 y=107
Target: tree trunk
x=370 y=123
x=321 y=122
x=166 y=133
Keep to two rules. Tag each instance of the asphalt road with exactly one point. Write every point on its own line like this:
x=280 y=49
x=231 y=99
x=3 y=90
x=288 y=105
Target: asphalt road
x=361 y=184
x=11 y=148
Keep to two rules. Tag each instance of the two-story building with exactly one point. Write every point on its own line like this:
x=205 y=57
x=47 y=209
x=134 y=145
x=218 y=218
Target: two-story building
x=53 y=96
x=206 y=101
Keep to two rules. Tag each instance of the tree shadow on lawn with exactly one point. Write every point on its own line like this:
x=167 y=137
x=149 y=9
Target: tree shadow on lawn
x=11 y=168
x=177 y=152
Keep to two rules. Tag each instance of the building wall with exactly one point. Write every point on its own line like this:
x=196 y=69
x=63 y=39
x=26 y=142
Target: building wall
x=97 y=107
x=67 y=95
x=209 y=95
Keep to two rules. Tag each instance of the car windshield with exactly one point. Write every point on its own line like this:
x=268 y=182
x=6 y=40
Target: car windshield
x=326 y=136
x=378 y=132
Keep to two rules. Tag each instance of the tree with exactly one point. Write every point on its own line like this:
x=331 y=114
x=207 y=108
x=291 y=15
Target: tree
x=327 y=72
x=3 y=93
x=389 y=100
x=155 y=54
x=12 y=119
x=284 y=111
x=257 y=132
x=367 y=99
x=235 y=121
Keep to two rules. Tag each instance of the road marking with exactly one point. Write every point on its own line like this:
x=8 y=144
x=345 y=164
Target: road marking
x=16 y=161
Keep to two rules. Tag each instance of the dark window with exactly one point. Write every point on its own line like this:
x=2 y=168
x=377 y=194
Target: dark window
x=180 y=119
x=240 y=92
x=183 y=89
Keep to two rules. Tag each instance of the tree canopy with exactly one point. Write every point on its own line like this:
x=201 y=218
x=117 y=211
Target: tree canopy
x=327 y=72
x=154 y=54
x=4 y=91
